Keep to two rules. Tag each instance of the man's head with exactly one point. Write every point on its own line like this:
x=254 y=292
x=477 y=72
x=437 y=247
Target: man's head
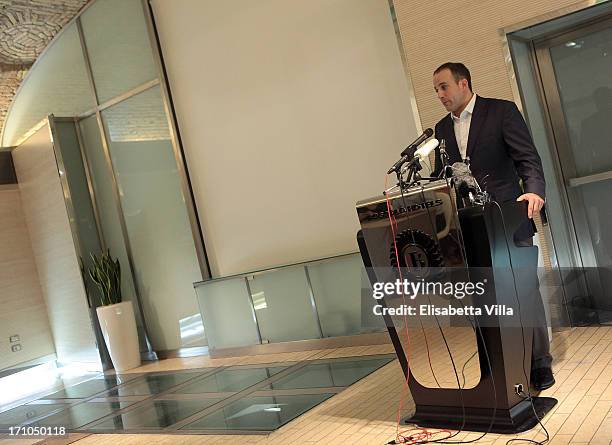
x=453 y=83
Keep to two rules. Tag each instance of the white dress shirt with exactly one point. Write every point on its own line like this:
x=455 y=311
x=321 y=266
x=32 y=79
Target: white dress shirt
x=461 y=125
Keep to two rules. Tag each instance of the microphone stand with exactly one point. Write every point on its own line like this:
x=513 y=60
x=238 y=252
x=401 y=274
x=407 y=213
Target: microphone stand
x=414 y=167
x=444 y=159
x=397 y=168
x=400 y=182
x=413 y=172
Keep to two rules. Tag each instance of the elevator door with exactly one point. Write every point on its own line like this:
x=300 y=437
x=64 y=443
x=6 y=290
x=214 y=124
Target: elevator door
x=576 y=74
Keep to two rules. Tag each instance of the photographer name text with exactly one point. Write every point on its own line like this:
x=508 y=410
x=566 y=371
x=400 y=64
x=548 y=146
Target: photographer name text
x=430 y=309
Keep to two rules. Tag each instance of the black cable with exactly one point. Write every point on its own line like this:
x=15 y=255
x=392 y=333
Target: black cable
x=479 y=330
x=465 y=364
x=527 y=397
x=399 y=265
x=484 y=346
x=439 y=327
x=443 y=337
x=450 y=355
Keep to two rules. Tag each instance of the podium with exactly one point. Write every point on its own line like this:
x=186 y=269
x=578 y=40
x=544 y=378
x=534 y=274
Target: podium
x=431 y=233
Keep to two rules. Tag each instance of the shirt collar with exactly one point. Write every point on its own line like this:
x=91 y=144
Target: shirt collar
x=469 y=108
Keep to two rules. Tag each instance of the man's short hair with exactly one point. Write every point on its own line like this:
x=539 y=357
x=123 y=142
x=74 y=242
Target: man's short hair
x=459 y=71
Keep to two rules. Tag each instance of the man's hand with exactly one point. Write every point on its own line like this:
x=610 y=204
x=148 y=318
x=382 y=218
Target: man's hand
x=535 y=203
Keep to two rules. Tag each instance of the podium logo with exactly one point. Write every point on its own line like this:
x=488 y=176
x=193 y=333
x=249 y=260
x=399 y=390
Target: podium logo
x=417 y=252
x=415 y=257
x=408 y=209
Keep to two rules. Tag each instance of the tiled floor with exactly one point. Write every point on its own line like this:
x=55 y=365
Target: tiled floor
x=366 y=412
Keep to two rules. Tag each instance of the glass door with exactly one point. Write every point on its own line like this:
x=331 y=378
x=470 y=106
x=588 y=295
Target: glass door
x=576 y=74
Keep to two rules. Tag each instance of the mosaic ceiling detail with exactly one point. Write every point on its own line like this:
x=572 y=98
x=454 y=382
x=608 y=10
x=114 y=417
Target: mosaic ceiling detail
x=26 y=28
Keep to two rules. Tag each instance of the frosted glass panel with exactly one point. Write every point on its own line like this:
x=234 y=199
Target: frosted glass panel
x=159 y=232
x=337 y=290
x=227 y=313
x=283 y=307
x=281 y=299
x=118 y=46
x=57 y=84
x=78 y=191
x=105 y=200
x=109 y=216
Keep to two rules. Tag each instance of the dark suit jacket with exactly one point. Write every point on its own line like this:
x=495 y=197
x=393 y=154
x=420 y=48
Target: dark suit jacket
x=500 y=149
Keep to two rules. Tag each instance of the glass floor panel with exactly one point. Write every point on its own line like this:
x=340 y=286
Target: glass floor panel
x=25 y=413
x=90 y=387
x=153 y=384
x=155 y=414
x=173 y=397
x=330 y=373
x=78 y=415
x=232 y=379
x=258 y=413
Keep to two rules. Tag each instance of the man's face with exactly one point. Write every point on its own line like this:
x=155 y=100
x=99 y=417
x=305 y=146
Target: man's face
x=451 y=93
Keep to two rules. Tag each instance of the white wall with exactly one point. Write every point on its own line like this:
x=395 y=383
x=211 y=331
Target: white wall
x=289 y=112
x=22 y=307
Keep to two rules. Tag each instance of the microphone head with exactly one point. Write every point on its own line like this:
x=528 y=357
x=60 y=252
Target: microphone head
x=460 y=168
x=426 y=149
x=463 y=175
x=428 y=132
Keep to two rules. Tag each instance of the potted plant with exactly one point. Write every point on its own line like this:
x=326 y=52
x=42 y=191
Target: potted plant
x=116 y=318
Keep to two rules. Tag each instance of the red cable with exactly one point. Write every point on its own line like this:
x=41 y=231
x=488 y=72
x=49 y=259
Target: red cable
x=393 y=222
x=424 y=435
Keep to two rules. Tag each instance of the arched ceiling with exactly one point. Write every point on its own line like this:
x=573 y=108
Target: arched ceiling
x=26 y=28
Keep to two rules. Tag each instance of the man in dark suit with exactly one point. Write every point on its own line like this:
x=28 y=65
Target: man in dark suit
x=493 y=134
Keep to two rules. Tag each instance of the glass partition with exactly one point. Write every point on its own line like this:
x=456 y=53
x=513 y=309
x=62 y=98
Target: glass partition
x=78 y=191
x=228 y=313
x=118 y=46
x=108 y=213
x=138 y=197
x=336 y=287
x=312 y=300
x=282 y=302
x=103 y=189
x=155 y=215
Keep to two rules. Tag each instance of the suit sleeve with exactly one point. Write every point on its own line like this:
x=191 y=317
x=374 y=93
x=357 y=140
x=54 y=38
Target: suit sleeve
x=522 y=151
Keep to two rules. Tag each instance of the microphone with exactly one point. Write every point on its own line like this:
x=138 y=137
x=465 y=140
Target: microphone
x=465 y=183
x=422 y=153
x=463 y=175
x=418 y=141
x=407 y=152
x=463 y=189
x=426 y=149
x=398 y=164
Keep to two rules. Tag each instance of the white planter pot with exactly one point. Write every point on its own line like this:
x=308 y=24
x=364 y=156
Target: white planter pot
x=118 y=327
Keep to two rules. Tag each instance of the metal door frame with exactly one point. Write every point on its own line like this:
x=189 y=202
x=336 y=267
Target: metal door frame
x=565 y=167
